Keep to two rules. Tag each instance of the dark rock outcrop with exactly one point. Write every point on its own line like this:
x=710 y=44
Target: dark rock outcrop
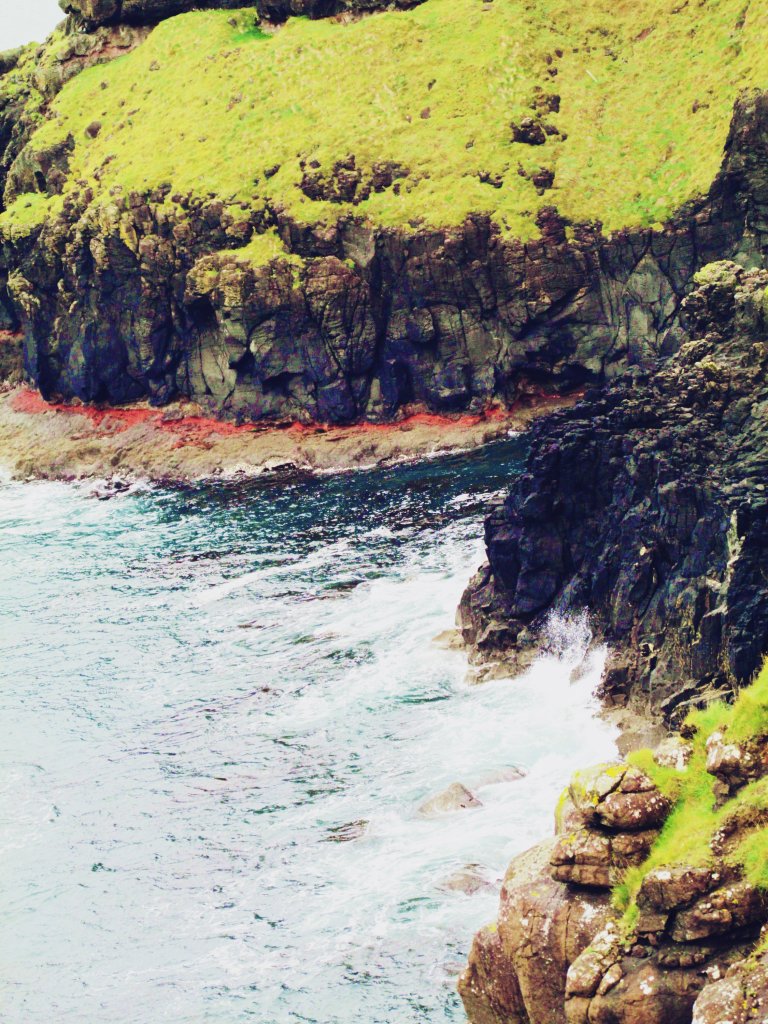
x=646 y=504
x=94 y=13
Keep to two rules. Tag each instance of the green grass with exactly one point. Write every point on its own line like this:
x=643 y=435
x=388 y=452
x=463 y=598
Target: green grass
x=210 y=102
x=689 y=829
x=27 y=213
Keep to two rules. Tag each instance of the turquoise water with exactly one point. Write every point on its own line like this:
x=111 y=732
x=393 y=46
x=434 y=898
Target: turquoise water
x=221 y=710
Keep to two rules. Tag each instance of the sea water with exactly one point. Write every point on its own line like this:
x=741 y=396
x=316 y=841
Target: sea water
x=221 y=711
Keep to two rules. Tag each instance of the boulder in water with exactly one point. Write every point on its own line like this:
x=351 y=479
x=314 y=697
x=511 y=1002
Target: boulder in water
x=455 y=798
x=470 y=879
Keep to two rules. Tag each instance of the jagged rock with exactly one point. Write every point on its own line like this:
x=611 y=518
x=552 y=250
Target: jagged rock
x=740 y=997
x=489 y=987
x=542 y=927
x=583 y=858
x=609 y=984
x=645 y=505
x=530 y=132
x=735 y=764
x=619 y=797
x=455 y=798
x=666 y=889
x=599 y=859
x=673 y=752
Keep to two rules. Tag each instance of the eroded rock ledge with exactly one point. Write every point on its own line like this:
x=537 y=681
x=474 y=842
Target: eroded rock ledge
x=646 y=504
x=150 y=297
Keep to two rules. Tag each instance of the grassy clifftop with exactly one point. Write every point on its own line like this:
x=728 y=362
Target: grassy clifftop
x=425 y=116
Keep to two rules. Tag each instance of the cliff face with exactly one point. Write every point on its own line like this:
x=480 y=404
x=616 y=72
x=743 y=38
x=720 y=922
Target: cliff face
x=647 y=907
x=162 y=241
x=91 y=14
x=357 y=322
x=646 y=505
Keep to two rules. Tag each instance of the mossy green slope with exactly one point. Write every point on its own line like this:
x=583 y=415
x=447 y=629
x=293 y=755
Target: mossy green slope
x=210 y=104
x=688 y=832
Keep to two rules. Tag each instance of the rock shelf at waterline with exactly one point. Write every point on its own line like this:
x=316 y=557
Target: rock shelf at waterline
x=179 y=445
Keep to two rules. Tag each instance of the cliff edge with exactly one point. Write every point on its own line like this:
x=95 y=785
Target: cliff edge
x=646 y=504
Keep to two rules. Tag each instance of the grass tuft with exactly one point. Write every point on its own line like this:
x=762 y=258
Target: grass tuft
x=688 y=831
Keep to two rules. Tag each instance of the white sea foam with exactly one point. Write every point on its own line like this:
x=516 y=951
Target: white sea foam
x=176 y=785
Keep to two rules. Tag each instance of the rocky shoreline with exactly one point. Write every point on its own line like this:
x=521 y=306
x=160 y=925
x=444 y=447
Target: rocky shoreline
x=179 y=445
x=645 y=504
x=174 y=335
x=689 y=950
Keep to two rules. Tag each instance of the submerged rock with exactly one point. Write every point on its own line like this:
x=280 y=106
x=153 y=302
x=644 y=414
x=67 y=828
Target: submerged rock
x=455 y=798
x=347 y=833
x=470 y=879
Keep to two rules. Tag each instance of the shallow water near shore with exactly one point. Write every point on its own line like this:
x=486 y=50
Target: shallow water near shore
x=221 y=709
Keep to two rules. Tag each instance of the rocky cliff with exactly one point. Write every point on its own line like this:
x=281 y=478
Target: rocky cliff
x=646 y=504
x=90 y=14
x=647 y=907
x=217 y=215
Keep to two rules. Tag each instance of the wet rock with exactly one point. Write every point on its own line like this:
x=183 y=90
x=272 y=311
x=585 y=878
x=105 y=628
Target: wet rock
x=455 y=798
x=350 y=832
x=470 y=879
x=498 y=776
x=448 y=640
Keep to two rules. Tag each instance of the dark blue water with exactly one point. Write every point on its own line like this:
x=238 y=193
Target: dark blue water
x=221 y=709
